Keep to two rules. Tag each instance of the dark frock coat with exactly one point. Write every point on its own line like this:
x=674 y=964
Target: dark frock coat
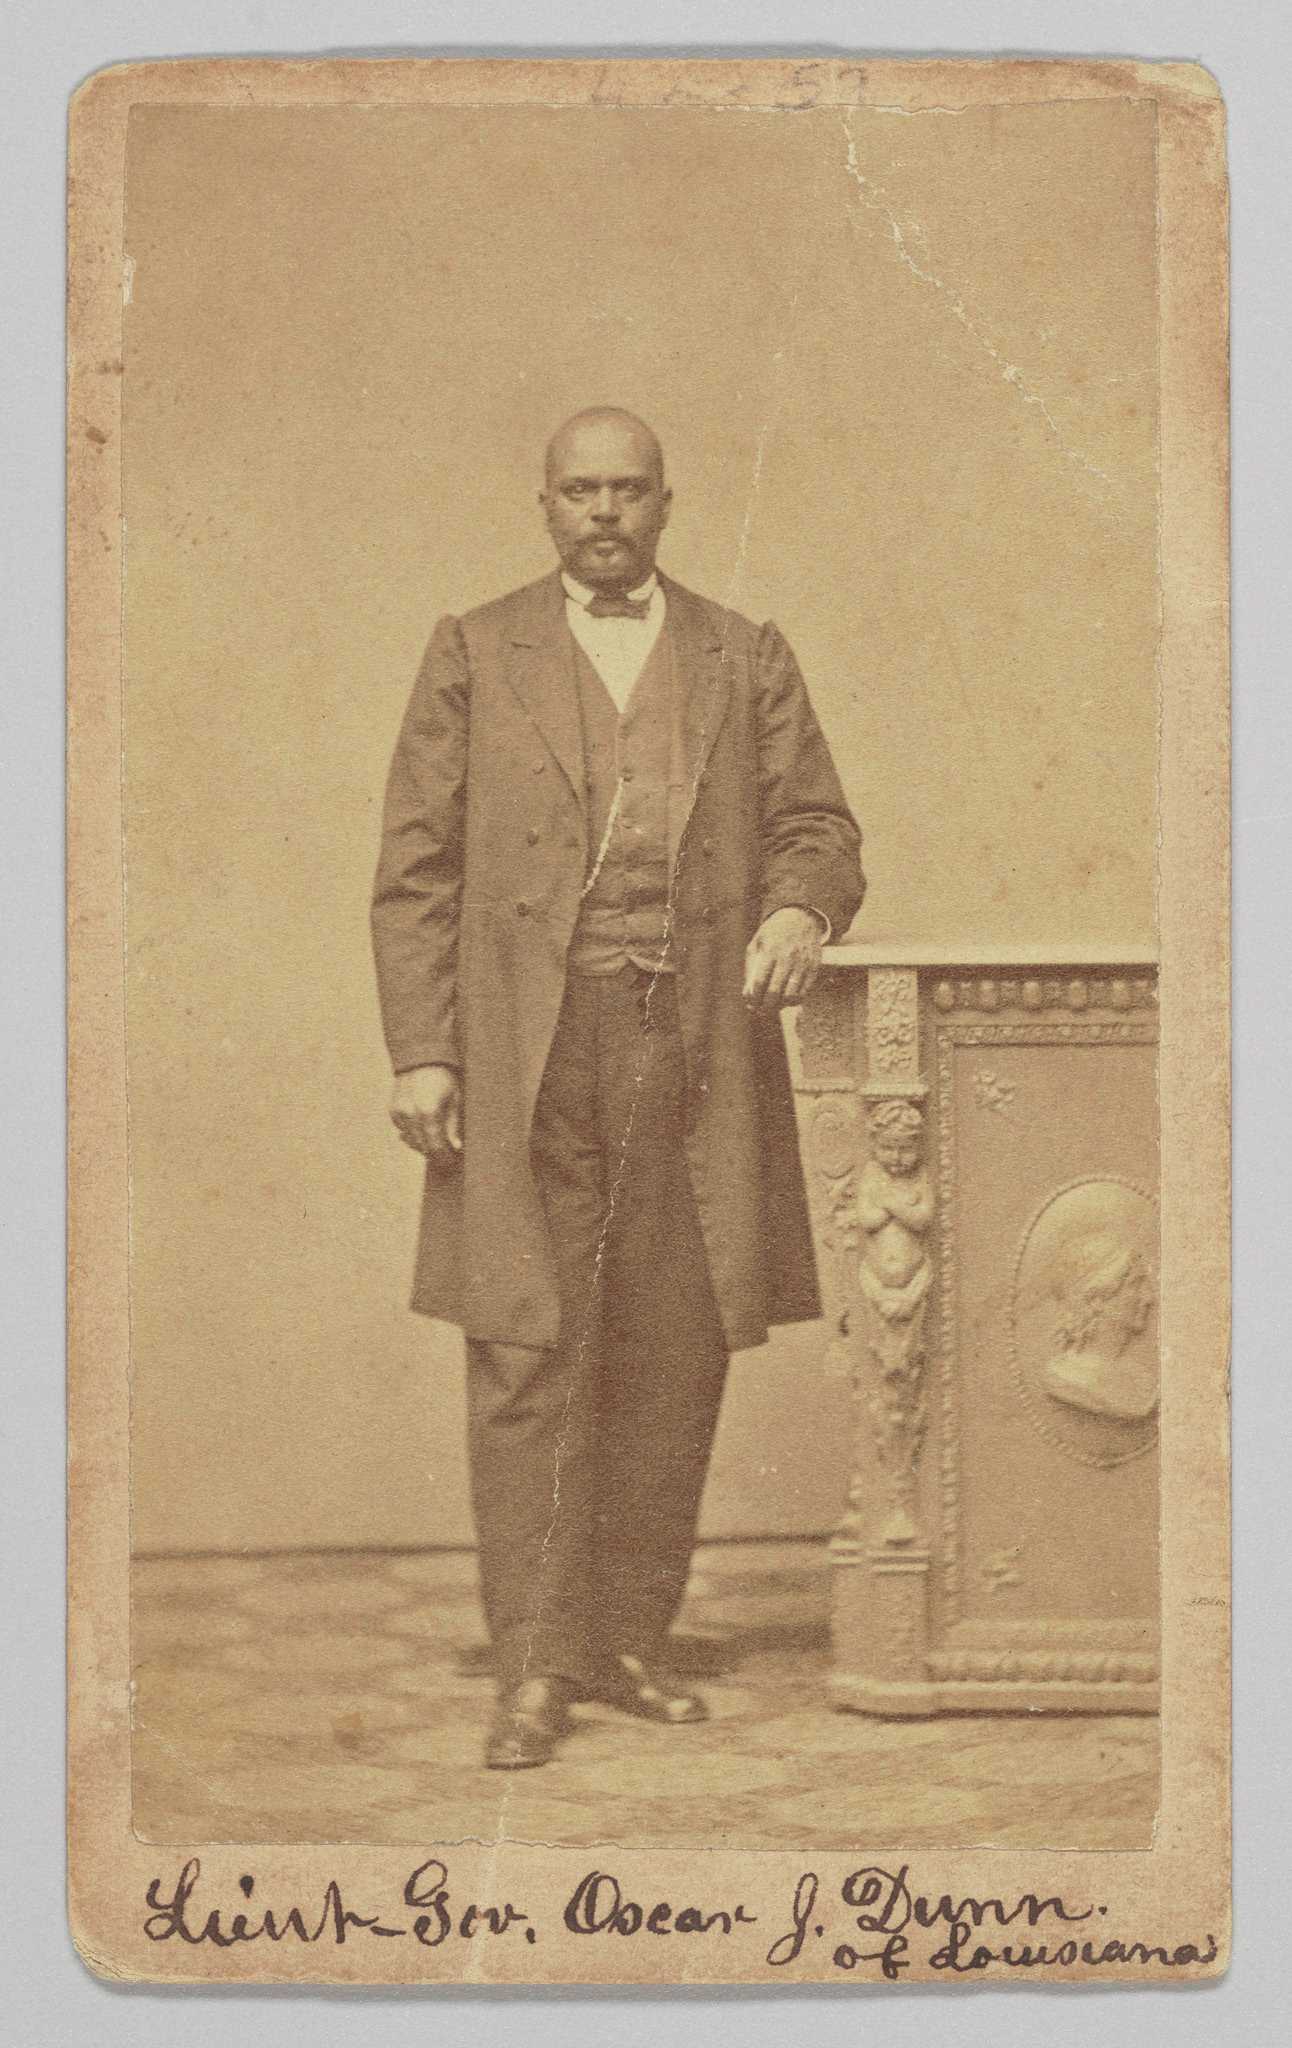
x=484 y=855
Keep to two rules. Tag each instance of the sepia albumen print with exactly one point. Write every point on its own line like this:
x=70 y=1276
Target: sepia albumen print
x=646 y=636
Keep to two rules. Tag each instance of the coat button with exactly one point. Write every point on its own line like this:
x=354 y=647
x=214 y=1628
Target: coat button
x=709 y=846
x=625 y=774
x=539 y=765
x=522 y=908
x=532 y=835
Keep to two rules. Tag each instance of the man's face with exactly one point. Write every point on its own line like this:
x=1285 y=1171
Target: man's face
x=1132 y=1306
x=606 y=504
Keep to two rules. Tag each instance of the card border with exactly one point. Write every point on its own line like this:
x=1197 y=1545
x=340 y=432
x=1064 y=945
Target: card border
x=1181 y=1885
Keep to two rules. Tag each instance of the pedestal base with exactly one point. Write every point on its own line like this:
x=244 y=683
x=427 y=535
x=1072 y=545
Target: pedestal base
x=984 y=1134
x=857 y=1694
x=894 y=1700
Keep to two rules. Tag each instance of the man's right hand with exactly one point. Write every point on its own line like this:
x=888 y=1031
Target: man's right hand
x=426 y=1110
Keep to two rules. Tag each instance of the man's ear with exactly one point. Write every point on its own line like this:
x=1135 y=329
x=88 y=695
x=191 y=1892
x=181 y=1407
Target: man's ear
x=668 y=507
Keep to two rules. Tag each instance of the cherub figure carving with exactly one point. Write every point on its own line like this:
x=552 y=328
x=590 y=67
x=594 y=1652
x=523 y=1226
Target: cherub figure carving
x=895 y=1208
x=1105 y=1305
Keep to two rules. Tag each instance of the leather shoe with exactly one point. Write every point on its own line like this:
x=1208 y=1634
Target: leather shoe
x=528 y=1722
x=636 y=1688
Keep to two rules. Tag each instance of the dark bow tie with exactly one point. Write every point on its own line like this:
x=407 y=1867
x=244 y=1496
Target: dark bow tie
x=618 y=608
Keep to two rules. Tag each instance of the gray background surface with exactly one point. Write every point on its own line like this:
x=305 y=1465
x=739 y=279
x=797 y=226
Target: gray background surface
x=47 y=1997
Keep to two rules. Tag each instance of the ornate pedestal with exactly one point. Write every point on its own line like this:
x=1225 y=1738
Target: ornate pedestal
x=982 y=1137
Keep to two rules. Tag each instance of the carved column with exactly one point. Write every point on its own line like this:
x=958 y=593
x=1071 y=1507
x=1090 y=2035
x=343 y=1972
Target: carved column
x=880 y=1548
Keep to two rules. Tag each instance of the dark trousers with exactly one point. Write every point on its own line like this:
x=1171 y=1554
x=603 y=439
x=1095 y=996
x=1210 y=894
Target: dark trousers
x=588 y=1457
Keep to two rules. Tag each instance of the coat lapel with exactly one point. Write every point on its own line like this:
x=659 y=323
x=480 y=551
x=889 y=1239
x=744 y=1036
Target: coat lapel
x=702 y=688
x=541 y=672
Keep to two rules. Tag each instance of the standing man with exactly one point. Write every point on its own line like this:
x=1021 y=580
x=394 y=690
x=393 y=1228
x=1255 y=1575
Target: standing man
x=614 y=843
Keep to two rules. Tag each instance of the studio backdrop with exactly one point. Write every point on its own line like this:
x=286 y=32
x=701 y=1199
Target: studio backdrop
x=907 y=406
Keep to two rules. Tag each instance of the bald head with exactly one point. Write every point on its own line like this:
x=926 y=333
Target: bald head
x=598 y=426
x=605 y=498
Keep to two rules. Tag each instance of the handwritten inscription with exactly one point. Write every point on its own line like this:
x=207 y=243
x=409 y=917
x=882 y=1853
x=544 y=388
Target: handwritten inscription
x=876 y=1921
x=598 y=1905
x=426 y=1894
x=891 y=1914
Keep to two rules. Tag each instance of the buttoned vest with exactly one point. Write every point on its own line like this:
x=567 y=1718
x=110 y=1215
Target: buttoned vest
x=624 y=917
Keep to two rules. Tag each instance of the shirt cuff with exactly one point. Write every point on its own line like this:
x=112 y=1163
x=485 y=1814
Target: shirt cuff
x=827 y=929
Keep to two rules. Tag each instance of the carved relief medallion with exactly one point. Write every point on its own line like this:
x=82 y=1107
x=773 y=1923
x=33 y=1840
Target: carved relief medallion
x=1084 y=1321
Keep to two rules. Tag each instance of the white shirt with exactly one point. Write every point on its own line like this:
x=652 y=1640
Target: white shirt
x=617 y=648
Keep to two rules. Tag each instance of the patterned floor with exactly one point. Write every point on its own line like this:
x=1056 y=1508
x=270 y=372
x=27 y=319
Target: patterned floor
x=325 y=1697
